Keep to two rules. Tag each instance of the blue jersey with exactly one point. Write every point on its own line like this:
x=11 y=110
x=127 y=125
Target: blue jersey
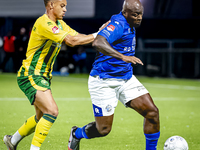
x=121 y=37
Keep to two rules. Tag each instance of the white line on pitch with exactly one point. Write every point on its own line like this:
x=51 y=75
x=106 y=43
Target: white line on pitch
x=87 y=99
x=165 y=86
x=171 y=86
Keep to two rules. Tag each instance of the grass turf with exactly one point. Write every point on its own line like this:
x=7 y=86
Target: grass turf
x=178 y=101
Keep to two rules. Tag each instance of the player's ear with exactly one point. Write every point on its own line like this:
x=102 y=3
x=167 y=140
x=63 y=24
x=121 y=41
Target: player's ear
x=51 y=5
x=124 y=13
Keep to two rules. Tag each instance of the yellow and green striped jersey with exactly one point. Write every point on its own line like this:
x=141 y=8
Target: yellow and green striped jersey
x=43 y=47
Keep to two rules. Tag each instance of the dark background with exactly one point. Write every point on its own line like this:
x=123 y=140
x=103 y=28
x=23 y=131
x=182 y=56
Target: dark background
x=167 y=41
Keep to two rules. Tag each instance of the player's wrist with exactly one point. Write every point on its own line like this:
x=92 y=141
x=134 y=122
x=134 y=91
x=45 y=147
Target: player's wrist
x=95 y=34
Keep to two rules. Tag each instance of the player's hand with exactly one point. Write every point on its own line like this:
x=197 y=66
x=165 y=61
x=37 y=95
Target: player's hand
x=132 y=59
x=104 y=25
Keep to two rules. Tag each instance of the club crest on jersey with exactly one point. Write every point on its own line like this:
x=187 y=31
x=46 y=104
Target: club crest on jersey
x=110 y=28
x=44 y=82
x=108 y=108
x=55 y=29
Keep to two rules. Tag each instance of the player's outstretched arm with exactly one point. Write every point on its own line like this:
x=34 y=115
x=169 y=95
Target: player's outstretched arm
x=102 y=45
x=82 y=39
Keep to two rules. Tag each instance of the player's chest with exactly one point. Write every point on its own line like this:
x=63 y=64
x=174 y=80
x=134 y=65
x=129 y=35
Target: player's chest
x=128 y=39
x=128 y=35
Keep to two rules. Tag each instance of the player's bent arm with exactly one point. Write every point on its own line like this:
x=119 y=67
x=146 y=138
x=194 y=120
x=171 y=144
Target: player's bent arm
x=102 y=45
x=80 y=39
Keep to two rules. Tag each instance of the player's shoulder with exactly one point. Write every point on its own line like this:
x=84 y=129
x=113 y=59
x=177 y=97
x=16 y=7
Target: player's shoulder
x=44 y=21
x=118 y=19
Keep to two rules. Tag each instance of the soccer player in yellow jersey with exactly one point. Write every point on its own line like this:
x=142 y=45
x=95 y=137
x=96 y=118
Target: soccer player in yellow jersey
x=48 y=33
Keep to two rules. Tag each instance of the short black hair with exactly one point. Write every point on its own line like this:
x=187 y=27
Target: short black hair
x=46 y=2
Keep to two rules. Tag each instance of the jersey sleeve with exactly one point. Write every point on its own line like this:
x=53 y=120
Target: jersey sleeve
x=68 y=29
x=51 y=31
x=112 y=32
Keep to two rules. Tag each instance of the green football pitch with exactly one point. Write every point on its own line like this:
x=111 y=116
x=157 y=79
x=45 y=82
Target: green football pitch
x=178 y=101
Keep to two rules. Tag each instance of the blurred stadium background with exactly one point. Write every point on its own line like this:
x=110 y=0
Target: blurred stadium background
x=167 y=41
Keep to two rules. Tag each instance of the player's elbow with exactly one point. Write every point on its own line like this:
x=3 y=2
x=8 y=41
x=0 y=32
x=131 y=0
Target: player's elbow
x=100 y=43
x=72 y=41
x=71 y=44
x=96 y=44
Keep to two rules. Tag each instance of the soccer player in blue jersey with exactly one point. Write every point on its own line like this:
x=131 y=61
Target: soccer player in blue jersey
x=111 y=79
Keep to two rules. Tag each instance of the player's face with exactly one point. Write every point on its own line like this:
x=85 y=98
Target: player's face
x=60 y=9
x=134 y=17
